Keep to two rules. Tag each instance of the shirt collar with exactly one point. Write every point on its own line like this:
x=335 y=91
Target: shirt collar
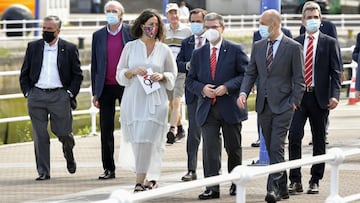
x=315 y=35
x=218 y=45
x=52 y=47
x=116 y=32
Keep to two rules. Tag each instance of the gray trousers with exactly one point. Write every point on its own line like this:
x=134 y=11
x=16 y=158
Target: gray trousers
x=53 y=105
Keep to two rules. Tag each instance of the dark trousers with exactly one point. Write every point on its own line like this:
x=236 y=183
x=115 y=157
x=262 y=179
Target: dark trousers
x=107 y=101
x=275 y=128
x=212 y=144
x=194 y=136
x=55 y=105
x=318 y=119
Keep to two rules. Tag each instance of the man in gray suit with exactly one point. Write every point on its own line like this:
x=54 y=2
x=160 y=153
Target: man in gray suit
x=278 y=62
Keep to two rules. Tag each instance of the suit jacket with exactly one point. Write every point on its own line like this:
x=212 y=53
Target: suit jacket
x=327 y=69
x=284 y=84
x=231 y=64
x=67 y=61
x=99 y=57
x=184 y=56
x=355 y=54
x=257 y=36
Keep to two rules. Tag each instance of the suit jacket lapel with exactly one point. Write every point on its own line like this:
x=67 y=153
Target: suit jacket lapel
x=61 y=51
x=221 y=57
x=281 y=50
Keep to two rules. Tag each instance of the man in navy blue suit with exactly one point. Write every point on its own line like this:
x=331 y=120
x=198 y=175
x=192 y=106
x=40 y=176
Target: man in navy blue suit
x=215 y=76
x=195 y=41
x=107 y=45
x=323 y=84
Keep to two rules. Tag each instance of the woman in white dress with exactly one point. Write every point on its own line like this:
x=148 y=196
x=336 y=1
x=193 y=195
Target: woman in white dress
x=146 y=69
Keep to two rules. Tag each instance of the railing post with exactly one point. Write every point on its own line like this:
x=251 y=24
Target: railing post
x=339 y=157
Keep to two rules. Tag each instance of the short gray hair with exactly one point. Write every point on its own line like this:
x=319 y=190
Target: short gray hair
x=214 y=16
x=54 y=18
x=115 y=3
x=309 y=6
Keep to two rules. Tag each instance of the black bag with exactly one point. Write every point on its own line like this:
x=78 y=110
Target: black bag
x=73 y=103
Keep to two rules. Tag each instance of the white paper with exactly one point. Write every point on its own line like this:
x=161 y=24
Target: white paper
x=148 y=85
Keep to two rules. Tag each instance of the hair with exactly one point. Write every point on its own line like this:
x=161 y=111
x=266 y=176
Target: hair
x=310 y=6
x=145 y=15
x=196 y=11
x=54 y=18
x=115 y=3
x=214 y=16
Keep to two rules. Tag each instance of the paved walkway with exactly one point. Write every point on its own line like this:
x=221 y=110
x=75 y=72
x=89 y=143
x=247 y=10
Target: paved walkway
x=17 y=168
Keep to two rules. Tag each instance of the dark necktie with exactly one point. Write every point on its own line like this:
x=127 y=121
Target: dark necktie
x=270 y=55
x=309 y=61
x=199 y=42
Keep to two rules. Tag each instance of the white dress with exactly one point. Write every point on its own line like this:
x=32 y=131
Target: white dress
x=143 y=117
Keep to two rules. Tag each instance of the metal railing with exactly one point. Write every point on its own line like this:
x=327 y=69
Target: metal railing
x=243 y=174
x=84 y=27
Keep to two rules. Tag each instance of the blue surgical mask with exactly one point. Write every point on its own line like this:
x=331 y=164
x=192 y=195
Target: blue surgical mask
x=264 y=31
x=196 y=28
x=112 y=18
x=312 y=25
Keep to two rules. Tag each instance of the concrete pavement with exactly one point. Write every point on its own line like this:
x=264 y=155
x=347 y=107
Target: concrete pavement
x=18 y=170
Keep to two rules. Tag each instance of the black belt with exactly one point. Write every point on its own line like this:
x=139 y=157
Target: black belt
x=49 y=89
x=309 y=89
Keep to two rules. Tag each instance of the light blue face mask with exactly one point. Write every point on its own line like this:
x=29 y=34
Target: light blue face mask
x=264 y=31
x=196 y=28
x=312 y=25
x=112 y=18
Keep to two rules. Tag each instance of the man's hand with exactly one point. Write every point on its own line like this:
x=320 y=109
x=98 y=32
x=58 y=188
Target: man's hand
x=209 y=91
x=333 y=102
x=96 y=102
x=221 y=90
x=241 y=101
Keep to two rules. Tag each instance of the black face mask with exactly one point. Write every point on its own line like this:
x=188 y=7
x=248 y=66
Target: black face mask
x=48 y=36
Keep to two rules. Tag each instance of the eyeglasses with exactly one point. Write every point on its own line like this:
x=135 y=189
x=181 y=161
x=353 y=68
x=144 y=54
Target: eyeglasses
x=212 y=27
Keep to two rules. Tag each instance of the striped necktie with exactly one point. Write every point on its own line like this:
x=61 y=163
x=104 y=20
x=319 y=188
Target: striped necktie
x=309 y=61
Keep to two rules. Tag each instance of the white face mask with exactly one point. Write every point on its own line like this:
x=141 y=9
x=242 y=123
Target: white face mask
x=212 y=35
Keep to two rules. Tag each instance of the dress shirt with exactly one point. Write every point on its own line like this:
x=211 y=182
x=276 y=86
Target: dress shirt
x=315 y=42
x=49 y=75
x=116 y=31
x=218 y=45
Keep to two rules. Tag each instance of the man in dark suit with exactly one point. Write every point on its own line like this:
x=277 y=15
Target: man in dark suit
x=256 y=37
x=50 y=78
x=277 y=62
x=195 y=41
x=107 y=45
x=216 y=72
x=322 y=77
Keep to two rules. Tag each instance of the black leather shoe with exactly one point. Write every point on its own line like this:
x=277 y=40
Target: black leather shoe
x=43 y=177
x=256 y=144
x=295 y=188
x=170 y=137
x=313 y=188
x=107 y=175
x=189 y=176
x=209 y=194
x=232 y=190
x=71 y=166
x=271 y=197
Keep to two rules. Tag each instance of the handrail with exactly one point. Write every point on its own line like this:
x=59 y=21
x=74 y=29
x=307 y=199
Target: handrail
x=84 y=27
x=243 y=174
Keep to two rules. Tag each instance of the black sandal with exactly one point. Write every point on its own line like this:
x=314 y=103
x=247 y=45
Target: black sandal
x=139 y=187
x=151 y=184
